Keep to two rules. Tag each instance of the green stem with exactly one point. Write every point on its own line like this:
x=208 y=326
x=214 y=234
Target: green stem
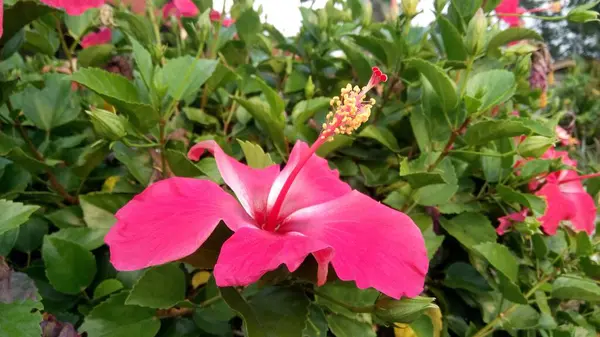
x=211 y=300
x=546 y=18
x=63 y=43
x=163 y=147
x=155 y=26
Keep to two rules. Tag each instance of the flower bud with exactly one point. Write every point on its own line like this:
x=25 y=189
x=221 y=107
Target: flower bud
x=534 y=146
x=204 y=25
x=367 y=13
x=405 y=310
x=409 y=7
x=108 y=124
x=582 y=16
x=309 y=88
x=476 y=32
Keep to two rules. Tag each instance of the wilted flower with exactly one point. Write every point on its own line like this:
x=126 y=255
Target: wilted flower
x=565 y=137
x=279 y=217
x=505 y=222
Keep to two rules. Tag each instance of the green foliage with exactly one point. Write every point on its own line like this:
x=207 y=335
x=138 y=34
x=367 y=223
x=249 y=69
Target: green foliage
x=78 y=140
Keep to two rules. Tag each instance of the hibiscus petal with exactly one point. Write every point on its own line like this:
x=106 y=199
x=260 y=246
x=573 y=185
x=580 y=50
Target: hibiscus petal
x=104 y=35
x=74 y=7
x=315 y=184
x=374 y=245
x=583 y=217
x=251 y=252
x=170 y=220
x=505 y=222
x=557 y=208
x=250 y=185
x=186 y=8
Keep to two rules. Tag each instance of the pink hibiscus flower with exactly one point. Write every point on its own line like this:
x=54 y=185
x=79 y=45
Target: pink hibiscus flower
x=227 y=22
x=567 y=200
x=512 y=10
x=214 y=15
x=279 y=217
x=180 y=8
x=72 y=7
x=505 y=222
x=103 y=36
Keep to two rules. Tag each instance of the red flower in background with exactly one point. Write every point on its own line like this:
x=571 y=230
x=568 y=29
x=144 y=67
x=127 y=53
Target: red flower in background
x=103 y=36
x=279 y=217
x=180 y=8
x=505 y=222
x=512 y=10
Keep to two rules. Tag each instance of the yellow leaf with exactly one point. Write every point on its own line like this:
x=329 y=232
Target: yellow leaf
x=109 y=183
x=200 y=278
x=404 y=330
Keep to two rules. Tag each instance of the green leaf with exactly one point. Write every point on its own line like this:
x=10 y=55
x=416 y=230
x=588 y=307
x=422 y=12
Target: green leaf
x=491 y=163
x=275 y=101
x=282 y=311
x=342 y=326
x=382 y=135
x=237 y=302
x=31 y=235
x=339 y=141
x=348 y=293
x=487 y=131
x=491 y=87
x=138 y=161
x=570 y=287
x=442 y=84
x=199 y=116
x=404 y=310
x=382 y=49
x=462 y=275
x=137 y=26
x=20 y=15
x=255 y=155
x=120 y=92
x=95 y=56
x=99 y=208
x=585 y=246
x=89 y=238
x=107 y=287
x=521 y=318
x=71 y=216
x=51 y=106
x=453 y=41
x=159 y=287
x=509 y=35
x=260 y=111
x=316 y=325
x=470 y=229
x=113 y=318
x=248 y=26
x=14 y=214
x=304 y=110
x=510 y=290
x=357 y=60
x=534 y=203
x=70 y=267
x=499 y=257
x=79 y=24
x=466 y=8
x=143 y=60
x=181 y=165
x=7 y=241
x=185 y=75
x=18 y=320
x=418 y=179
x=419 y=124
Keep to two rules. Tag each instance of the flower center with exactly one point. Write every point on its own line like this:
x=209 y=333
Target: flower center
x=350 y=112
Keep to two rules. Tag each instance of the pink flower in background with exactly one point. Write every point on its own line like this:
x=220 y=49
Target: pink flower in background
x=180 y=8
x=567 y=200
x=227 y=22
x=505 y=222
x=280 y=217
x=565 y=137
x=74 y=7
x=214 y=15
x=103 y=36
x=511 y=8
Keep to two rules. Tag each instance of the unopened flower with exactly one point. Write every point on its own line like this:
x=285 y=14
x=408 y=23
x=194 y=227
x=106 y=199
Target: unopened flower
x=214 y=15
x=103 y=36
x=279 y=217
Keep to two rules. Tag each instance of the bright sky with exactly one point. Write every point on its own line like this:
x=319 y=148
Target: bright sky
x=287 y=17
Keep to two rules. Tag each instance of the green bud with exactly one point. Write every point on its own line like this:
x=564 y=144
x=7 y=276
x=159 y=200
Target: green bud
x=476 y=32
x=409 y=7
x=523 y=67
x=107 y=124
x=534 y=146
x=405 y=310
x=367 y=14
x=323 y=17
x=309 y=88
x=204 y=26
x=582 y=16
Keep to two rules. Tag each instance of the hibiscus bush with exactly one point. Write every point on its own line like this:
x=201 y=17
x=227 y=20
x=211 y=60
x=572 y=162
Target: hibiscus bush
x=171 y=169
